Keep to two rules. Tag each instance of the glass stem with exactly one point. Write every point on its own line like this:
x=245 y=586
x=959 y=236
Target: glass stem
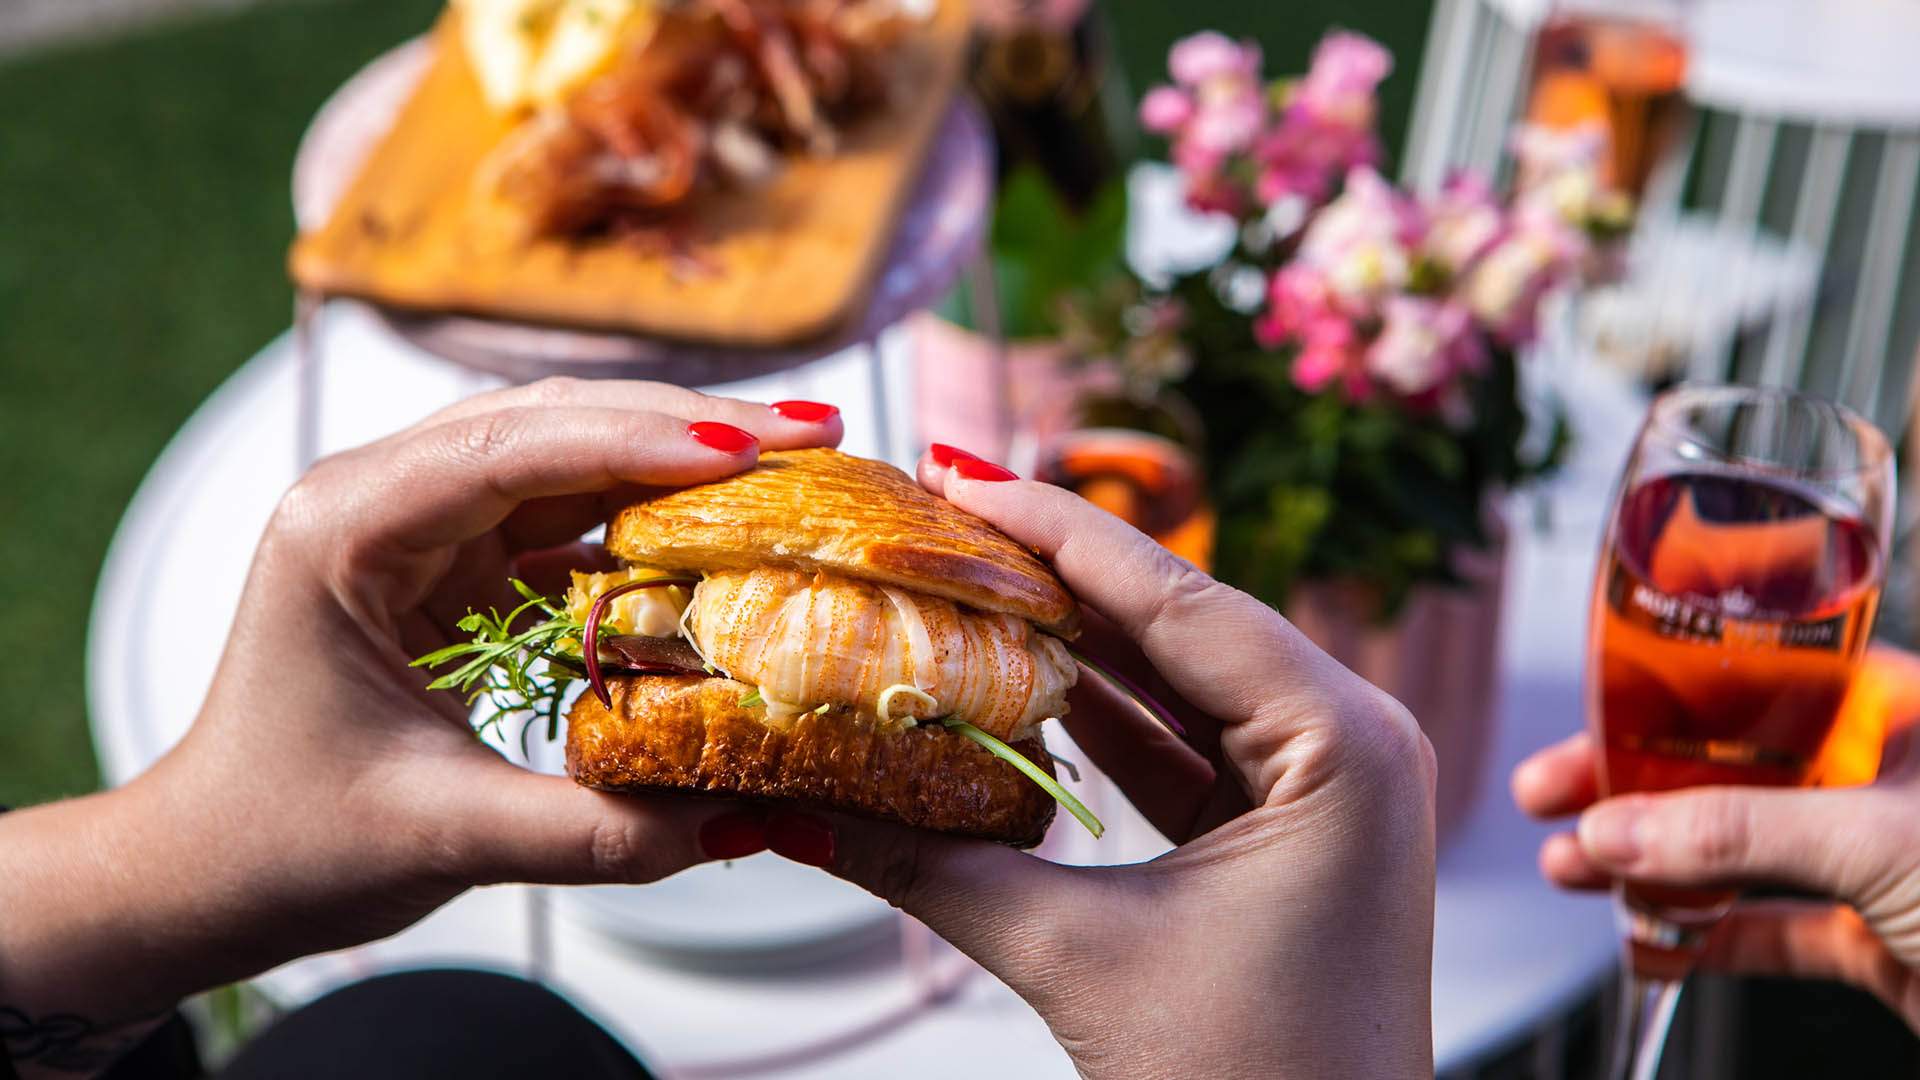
x=1640 y=1030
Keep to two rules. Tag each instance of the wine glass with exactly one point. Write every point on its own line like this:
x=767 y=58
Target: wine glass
x=1737 y=586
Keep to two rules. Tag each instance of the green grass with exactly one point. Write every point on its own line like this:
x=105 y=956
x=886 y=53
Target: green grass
x=143 y=221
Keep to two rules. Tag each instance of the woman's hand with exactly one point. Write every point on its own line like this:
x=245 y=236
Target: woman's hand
x=1290 y=933
x=323 y=797
x=1860 y=846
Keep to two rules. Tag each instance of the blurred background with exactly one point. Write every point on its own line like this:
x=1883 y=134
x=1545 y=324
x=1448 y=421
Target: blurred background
x=145 y=148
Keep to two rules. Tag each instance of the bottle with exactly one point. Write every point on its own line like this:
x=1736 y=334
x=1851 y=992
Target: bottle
x=1045 y=72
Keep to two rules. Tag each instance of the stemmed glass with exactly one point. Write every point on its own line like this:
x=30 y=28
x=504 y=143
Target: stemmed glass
x=1737 y=587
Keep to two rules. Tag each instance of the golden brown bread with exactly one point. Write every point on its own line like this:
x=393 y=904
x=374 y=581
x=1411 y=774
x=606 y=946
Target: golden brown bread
x=825 y=510
x=688 y=733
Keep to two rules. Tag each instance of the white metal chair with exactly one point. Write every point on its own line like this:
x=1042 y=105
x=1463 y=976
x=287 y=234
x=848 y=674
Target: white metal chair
x=1776 y=245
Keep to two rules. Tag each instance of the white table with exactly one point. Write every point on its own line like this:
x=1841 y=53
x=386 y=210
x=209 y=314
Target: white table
x=1511 y=954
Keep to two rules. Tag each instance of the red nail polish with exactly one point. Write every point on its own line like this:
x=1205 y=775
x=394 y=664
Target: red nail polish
x=807 y=412
x=802 y=838
x=733 y=835
x=944 y=455
x=722 y=437
x=975 y=469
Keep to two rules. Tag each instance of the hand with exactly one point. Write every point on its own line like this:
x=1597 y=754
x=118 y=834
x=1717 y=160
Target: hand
x=1860 y=846
x=323 y=797
x=1290 y=933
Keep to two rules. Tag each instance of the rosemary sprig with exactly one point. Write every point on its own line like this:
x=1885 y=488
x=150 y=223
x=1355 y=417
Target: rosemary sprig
x=520 y=672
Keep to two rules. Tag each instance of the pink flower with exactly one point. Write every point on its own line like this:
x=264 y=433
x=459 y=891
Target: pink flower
x=1423 y=345
x=1361 y=242
x=1330 y=350
x=1226 y=119
x=1302 y=156
x=1506 y=286
x=1213 y=115
x=1339 y=87
x=1326 y=127
x=1165 y=110
x=1297 y=297
x=1208 y=55
x=1463 y=221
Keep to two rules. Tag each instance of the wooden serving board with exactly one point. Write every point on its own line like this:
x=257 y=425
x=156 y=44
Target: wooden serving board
x=782 y=263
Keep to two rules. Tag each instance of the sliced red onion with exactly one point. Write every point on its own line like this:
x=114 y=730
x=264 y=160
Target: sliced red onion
x=590 y=643
x=1130 y=689
x=637 y=652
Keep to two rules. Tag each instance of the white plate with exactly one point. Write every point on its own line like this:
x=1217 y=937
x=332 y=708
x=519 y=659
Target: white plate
x=756 y=912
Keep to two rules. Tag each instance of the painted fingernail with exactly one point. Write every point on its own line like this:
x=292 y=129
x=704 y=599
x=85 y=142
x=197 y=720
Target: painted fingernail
x=802 y=838
x=1611 y=834
x=975 y=469
x=944 y=455
x=722 y=437
x=807 y=412
x=733 y=835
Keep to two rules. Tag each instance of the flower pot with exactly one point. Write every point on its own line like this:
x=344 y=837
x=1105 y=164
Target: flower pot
x=1440 y=658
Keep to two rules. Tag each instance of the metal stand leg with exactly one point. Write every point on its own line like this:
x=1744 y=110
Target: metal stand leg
x=877 y=390
x=539 y=934
x=983 y=299
x=307 y=306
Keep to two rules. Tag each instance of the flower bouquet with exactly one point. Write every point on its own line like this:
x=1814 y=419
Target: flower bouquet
x=1355 y=353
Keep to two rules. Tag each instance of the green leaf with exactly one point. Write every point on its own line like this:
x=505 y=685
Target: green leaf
x=752 y=700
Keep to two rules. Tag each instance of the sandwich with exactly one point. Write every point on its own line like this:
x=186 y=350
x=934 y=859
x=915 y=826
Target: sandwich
x=818 y=630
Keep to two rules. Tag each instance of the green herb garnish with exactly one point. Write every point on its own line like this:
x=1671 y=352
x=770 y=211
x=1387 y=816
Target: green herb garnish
x=1033 y=772
x=752 y=700
x=518 y=671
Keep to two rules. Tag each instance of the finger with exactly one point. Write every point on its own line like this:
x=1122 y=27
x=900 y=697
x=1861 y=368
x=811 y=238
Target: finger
x=999 y=906
x=1292 y=712
x=1560 y=780
x=775 y=431
x=1837 y=843
x=1563 y=863
x=448 y=483
x=1180 y=617
x=1179 y=784
x=1166 y=781
x=1813 y=941
x=514 y=825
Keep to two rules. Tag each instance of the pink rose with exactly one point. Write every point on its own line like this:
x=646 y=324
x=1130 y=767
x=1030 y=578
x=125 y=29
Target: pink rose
x=1165 y=110
x=1208 y=55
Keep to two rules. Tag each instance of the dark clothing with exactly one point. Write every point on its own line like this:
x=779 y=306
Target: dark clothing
x=414 y=1024
x=475 y=1025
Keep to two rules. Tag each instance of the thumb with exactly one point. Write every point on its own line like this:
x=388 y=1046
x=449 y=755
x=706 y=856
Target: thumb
x=1017 y=915
x=510 y=824
x=1832 y=842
